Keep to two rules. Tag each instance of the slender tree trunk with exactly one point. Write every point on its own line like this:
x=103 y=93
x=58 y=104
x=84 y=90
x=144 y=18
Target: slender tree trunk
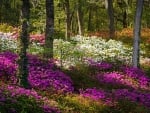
x=124 y=22
x=97 y=20
x=0 y=13
x=80 y=18
x=24 y=39
x=109 y=7
x=137 y=29
x=89 y=18
x=68 y=19
x=49 y=29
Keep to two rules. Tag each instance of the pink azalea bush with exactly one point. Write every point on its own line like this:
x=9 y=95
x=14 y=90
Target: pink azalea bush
x=111 y=97
x=16 y=95
x=42 y=74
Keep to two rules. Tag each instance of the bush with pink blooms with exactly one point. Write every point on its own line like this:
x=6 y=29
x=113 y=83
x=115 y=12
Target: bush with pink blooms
x=16 y=100
x=108 y=86
x=42 y=74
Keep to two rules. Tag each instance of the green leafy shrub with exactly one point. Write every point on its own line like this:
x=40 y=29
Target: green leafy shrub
x=6 y=28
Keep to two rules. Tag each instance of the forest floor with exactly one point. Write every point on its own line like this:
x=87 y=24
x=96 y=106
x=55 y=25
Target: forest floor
x=91 y=87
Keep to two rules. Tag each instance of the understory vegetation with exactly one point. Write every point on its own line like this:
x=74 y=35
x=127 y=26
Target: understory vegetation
x=87 y=75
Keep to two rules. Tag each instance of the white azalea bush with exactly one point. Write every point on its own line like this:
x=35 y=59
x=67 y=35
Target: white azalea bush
x=8 y=43
x=95 y=48
x=64 y=51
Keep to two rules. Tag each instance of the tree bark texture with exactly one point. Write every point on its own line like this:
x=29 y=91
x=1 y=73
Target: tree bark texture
x=68 y=19
x=49 y=32
x=137 y=29
x=109 y=7
x=24 y=40
x=80 y=18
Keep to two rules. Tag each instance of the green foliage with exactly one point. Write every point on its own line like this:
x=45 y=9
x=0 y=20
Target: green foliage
x=36 y=49
x=83 y=73
x=21 y=104
x=37 y=16
x=78 y=104
x=126 y=106
x=6 y=28
x=10 y=11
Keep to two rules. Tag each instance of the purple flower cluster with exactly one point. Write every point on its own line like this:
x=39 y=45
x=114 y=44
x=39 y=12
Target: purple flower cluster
x=117 y=78
x=41 y=73
x=97 y=94
x=8 y=66
x=111 y=98
x=17 y=91
x=135 y=96
x=14 y=92
x=47 y=109
x=128 y=76
x=44 y=79
x=137 y=74
x=94 y=93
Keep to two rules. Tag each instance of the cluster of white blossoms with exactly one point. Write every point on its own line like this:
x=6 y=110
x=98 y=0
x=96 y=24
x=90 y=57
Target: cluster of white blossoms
x=96 y=48
x=7 y=42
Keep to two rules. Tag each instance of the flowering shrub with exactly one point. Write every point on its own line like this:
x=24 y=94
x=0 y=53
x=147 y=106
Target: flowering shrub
x=121 y=79
x=94 y=93
x=116 y=78
x=112 y=97
x=7 y=43
x=39 y=38
x=8 y=66
x=75 y=51
x=97 y=94
x=21 y=99
x=128 y=32
x=143 y=98
x=94 y=48
x=137 y=74
x=41 y=73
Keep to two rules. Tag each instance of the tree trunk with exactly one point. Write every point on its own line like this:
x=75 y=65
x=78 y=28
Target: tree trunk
x=97 y=19
x=80 y=17
x=124 y=22
x=48 y=49
x=109 y=7
x=137 y=29
x=68 y=19
x=89 y=18
x=24 y=39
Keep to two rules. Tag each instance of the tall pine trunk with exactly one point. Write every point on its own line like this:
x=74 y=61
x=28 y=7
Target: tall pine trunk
x=68 y=19
x=49 y=32
x=137 y=29
x=124 y=21
x=24 y=40
x=80 y=18
x=89 y=19
x=109 y=7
